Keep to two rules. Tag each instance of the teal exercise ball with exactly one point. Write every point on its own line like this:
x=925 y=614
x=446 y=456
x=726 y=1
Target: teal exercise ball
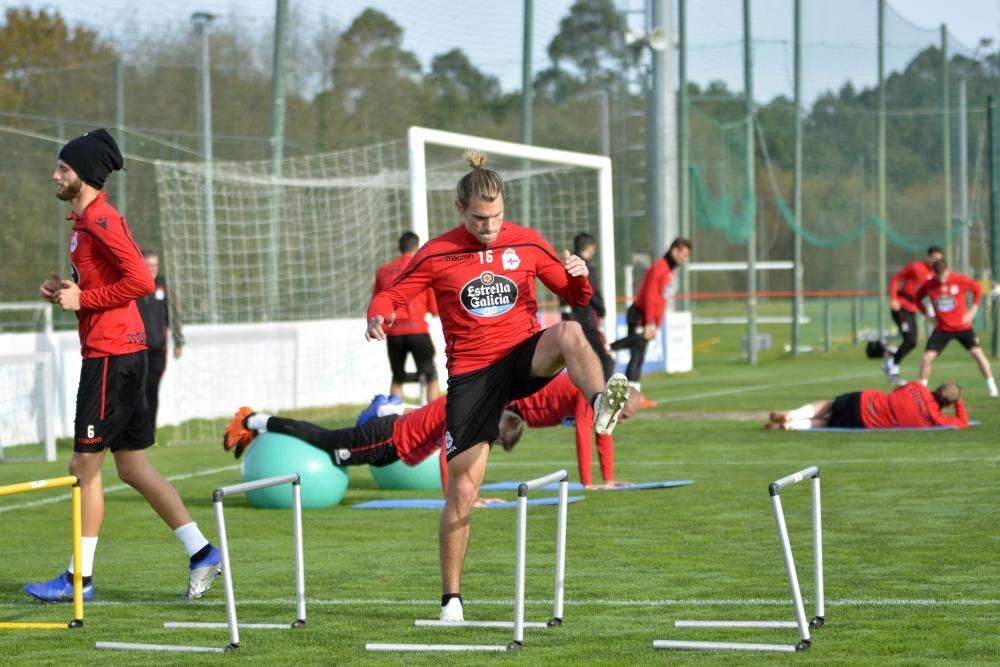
x=322 y=483
x=398 y=475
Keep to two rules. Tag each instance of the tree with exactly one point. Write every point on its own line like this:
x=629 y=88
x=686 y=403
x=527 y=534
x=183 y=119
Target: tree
x=461 y=98
x=591 y=41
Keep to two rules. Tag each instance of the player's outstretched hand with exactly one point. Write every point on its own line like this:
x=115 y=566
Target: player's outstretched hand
x=575 y=266
x=375 y=330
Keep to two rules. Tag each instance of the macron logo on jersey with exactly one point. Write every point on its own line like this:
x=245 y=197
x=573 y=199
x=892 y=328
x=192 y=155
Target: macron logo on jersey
x=489 y=295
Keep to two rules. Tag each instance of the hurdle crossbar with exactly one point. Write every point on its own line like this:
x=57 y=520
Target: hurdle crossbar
x=218 y=495
x=518 y=623
x=801 y=620
x=77 y=528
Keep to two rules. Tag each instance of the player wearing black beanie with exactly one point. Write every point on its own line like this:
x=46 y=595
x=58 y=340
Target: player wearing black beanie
x=93 y=156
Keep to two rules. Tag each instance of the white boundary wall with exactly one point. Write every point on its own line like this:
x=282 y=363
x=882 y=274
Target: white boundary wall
x=280 y=366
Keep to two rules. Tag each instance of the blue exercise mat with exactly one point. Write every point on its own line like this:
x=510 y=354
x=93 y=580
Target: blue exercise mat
x=399 y=504
x=833 y=429
x=576 y=486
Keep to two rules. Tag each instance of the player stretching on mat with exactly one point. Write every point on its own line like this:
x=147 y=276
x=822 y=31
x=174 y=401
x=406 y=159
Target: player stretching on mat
x=910 y=406
x=111 y=412
x=413 y=435
x=951 y=320
x=483 y=276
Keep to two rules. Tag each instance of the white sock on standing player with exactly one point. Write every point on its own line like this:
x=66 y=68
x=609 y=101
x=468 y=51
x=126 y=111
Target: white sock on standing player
x=88 y=545
x=923 y=382
x=991 y=384
x=805 y=412
x=191 y=537
x=258 y=422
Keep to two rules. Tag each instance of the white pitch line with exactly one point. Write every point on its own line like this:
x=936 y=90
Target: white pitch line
x=597 y=602
x=111 y=489
x=773 y=385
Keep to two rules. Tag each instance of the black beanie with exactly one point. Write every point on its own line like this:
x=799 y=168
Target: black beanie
x=93 y=156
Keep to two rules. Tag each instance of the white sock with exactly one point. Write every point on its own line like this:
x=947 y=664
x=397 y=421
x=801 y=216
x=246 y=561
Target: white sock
x=923 y=382
x=992 y=384
x=807 y=411
x=800 y=424
x=191 y=538
x=88 y=545
x=635 y=385
x=258 y=422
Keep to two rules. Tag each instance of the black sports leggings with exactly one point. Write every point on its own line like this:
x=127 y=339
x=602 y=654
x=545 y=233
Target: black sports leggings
x=359 y=445
x=907 y=323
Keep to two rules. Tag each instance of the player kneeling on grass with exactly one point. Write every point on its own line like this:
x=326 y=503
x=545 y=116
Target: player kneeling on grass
x=910 y=406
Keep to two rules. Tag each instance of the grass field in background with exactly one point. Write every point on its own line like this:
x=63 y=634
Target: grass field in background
x=910 y=530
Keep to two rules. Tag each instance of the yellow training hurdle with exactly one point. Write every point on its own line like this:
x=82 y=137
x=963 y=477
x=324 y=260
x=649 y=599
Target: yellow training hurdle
x=53 y=483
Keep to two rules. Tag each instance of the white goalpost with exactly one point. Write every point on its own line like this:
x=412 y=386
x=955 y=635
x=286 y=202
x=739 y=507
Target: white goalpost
x=276 y=323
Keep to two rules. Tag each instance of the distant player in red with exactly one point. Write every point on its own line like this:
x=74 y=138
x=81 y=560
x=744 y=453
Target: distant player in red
x=483 y=274
x=910 y=406
x=903 y=288
x=645 y=315
x=409 y=333
x=951 y=320
x=109 y=274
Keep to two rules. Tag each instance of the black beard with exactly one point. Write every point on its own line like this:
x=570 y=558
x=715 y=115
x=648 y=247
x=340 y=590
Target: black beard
x=70 y=192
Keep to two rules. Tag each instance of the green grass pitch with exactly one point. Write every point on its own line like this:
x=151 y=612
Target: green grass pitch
x=910 y=530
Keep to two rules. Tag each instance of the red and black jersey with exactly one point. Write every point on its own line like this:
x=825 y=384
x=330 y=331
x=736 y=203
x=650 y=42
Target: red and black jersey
x=948 y=298
x=410 y=318
x=108 y=267
x=485 y=294
x=649 y=299
x=912 y=276
x=553 y=405
x=910 y=406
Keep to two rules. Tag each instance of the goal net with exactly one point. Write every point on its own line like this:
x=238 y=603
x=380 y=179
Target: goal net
x=273 y=264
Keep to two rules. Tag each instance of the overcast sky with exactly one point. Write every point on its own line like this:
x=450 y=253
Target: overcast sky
x=490 y=31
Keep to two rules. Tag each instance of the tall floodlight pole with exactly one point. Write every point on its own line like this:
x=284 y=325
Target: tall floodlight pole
x=993 y=155
x=882 y=305
x=120 y=131
x=946 y=144
x=663 y=138
x=202 y=25
x=684 y=139
x=963 y=177
x=276 y=150
x=797 y=186
x=750 y=202
x=527 y=108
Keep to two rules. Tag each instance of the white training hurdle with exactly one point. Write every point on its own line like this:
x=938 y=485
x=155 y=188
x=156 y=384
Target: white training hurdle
x=801 y=622
x=518 y=623
x=232 y=623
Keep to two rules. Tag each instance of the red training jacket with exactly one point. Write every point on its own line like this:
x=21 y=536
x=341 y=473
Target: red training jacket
x=410 y=318
x=650 y=299
x=913 y=275
x=108 y=267
x=909 y=406
x=949 y=300
x=485 y=294
x=558 y=400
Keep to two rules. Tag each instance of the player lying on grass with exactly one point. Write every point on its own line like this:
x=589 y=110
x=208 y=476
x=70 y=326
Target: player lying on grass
x=910 y=406
x=387 y=436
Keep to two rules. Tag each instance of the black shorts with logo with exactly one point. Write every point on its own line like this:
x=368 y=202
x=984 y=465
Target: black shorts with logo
x=422 y=349
x=111 y=409
x=476 y=399
x=846 y=411
x=938 y=340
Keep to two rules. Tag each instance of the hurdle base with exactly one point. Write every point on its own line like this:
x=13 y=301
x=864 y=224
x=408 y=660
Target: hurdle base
x=515 y=646
x=434 y=623
x=28 y=625
x=129 y=646
x=735 y=624
x=432 y=648
x=817 y=622
x=232 y=648
x=554 y=622
x=728 y=646
x=299 y=623
x=76 y=623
